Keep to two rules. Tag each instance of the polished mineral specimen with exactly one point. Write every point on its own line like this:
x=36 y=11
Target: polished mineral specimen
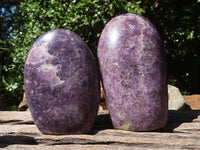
x=133 y=67
x=61 y=83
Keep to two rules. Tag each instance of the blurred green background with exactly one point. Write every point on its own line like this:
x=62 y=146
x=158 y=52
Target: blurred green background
x=22 y=21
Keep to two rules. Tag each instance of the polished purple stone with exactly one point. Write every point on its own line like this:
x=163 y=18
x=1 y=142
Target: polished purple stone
x=133 y=67
x=61 y=83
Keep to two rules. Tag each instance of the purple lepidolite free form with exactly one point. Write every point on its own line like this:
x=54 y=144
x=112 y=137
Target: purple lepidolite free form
x=61 y=83
x=133 y=67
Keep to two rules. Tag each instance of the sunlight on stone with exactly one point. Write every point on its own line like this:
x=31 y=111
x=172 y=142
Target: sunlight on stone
x=48 y=37
x=114 y=35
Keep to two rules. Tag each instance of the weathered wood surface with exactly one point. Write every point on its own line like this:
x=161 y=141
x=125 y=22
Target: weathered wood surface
x=17 y=131
x=193 y=101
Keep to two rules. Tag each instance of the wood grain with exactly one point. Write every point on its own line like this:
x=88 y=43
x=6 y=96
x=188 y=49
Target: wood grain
x=193 y=101
x=17 y=131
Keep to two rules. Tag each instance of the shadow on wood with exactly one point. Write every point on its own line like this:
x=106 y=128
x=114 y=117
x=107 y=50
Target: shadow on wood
x=19 y=140
x=177 y=118
x=103 y=122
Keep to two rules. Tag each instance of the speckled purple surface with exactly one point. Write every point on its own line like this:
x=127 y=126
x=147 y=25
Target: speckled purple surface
x=61 y=83
x=133 y=68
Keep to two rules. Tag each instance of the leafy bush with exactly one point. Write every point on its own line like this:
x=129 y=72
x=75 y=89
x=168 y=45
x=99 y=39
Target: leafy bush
x=86 y=18
x=7 y=97
x=179 y=25
x=177 y=21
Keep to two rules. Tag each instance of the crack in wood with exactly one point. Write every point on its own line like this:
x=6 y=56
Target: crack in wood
x=182 y=132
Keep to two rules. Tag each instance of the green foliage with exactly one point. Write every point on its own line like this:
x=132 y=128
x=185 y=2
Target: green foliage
x=179 y=24
x=87 y=18
x=7 y=9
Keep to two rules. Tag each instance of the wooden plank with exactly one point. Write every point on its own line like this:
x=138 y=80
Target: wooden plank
x=108 y=137
x=15 y=117
x=24 y=117
x=179 y=121
x=17 y=131
x=193 y=101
